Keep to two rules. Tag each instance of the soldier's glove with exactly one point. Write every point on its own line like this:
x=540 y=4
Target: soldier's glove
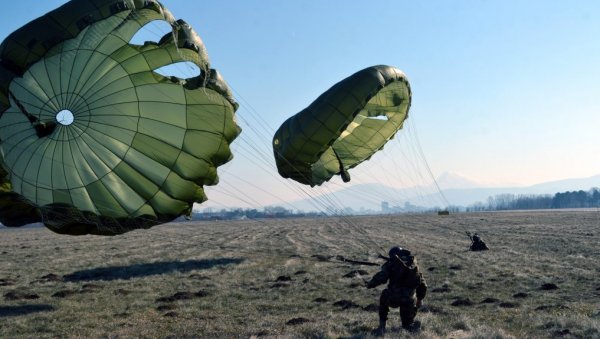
x=370 y=285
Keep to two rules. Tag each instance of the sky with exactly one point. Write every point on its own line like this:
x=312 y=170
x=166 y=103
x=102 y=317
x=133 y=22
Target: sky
x=504 y=92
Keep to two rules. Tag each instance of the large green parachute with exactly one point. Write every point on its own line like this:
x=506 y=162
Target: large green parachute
x=93 y=140
x=343 y=127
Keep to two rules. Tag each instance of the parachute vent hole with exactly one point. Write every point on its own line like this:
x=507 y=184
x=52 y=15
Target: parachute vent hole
x=379 y=117
x=151 y=32
x=65 y=117
x=181 y=70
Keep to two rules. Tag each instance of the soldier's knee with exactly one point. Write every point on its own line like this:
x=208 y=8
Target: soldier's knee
x=384 y=298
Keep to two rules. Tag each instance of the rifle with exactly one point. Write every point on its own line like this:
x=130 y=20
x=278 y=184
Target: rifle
x=357 y=262
x=397 y=259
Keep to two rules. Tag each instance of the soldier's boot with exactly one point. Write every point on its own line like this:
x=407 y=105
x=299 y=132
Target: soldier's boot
x=413 y=327
x=380 y=331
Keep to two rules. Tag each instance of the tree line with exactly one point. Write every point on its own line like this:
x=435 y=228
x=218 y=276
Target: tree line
x=574 y=199
x=252 y=213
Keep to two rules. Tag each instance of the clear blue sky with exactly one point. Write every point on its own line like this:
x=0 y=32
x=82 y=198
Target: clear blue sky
x=504 y=92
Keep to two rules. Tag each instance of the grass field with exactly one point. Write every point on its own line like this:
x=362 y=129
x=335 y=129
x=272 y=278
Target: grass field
x=281 y=278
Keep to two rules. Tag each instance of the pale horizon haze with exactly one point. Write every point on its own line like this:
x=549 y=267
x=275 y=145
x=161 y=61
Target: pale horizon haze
x=504 y=92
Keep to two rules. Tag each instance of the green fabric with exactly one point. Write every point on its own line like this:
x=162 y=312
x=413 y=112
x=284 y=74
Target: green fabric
x=345 y=126
x=140 y=147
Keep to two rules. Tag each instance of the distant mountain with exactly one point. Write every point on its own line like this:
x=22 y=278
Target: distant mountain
x=454 y=181
x=457 y=190
x=567 y=185
x=464 y=197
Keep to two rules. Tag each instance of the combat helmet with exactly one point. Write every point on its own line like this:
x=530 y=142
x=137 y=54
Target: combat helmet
x=399 y=252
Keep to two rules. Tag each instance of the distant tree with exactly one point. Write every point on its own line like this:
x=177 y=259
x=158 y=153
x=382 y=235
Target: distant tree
x=577 y=199
x=595 y=197
x=574 y=199
x=501 y=202
x=476 y=207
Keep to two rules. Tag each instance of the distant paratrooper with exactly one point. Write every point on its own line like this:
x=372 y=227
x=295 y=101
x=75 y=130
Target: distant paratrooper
x=477 y=244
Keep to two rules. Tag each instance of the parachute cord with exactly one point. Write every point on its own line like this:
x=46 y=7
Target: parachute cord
x=344 y=218
x=422 y=155
x=32 y=119
x=322 y=199
x=432 y=177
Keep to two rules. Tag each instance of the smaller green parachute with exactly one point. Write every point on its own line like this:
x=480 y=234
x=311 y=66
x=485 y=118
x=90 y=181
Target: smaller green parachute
x=343 y=127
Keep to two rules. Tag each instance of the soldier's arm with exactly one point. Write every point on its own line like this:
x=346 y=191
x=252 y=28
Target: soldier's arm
x=378 y=279
x=422 y=288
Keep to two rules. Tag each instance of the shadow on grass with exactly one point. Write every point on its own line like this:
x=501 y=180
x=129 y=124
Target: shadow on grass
x=144 y=270
x=11 y=311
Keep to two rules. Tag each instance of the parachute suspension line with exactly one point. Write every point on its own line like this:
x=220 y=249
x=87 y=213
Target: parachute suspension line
x=422 y=155
x=260 y=189
x=32 y=119
x=323 y=200
x=413 y=159
x=266 y=158
x=244 y=197
x=330 y=199
x=411 y=130
x=411 y=171
x=268 y=171
x=327 y=201
x=410 y=163
x=254 y=113
x=408 y=170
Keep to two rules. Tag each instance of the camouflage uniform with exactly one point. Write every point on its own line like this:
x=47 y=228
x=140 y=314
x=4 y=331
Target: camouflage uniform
x=477 y=244
x=406 y=286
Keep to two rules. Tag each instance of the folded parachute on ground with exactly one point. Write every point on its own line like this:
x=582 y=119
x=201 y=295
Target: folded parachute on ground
x=343 y=127
x=136 y=147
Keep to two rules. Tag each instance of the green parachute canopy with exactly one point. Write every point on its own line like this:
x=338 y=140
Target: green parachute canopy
x=92 y=139
x=343 y=127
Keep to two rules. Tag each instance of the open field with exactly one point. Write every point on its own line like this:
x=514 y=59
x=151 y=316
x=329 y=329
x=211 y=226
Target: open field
x=280 y=278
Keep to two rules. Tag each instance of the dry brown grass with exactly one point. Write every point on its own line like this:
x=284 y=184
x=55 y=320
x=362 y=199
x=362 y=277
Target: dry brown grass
x=279 y=278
